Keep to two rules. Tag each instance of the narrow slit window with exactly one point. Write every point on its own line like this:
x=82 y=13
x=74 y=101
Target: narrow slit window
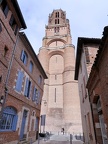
x=58 y=21
x=56 y=59
x=56 y=43
x=55 y=21
x=58 y=14
x=55 y=77
x=55 y=94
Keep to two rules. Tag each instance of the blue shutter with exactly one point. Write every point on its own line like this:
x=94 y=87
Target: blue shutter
x=31 y=66
x=15 y=123
x=30 y=89
x=22 y=54
x=19 y=81
x=25 y=58
x=43 y=117
x=34 y=94
x=37 y=97
x=37 y=123
x=26 y=87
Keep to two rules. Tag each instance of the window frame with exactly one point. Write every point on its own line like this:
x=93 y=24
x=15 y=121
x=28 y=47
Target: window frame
x=11 y=117
x=24 y=57
x=40 y=80
x=31 y=67
x=4 y=7
x=28 y=86
x=35 y=94
x=19 y=81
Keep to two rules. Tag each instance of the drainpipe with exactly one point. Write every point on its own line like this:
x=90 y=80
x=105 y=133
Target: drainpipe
x=7 y=77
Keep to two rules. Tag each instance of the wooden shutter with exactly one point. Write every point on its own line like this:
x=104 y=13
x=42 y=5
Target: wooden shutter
x=19 y=81
x=34 y=94
x=43 y=120
x=26 y=87
x=36 y=97
x=15 y=123
x=31 y=66
x=22 y=54
x=37 y=123
x=29 y=89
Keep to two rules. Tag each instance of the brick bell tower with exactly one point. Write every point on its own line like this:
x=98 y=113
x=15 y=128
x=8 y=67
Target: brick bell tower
x=60 y=102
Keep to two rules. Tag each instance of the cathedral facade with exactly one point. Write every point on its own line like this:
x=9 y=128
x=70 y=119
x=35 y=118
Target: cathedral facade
x=60 y=103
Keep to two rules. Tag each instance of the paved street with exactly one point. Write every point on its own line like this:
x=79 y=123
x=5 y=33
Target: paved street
x=58 y=139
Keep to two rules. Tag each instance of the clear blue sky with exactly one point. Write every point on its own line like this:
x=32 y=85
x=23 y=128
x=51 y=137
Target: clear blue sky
x=87 y=18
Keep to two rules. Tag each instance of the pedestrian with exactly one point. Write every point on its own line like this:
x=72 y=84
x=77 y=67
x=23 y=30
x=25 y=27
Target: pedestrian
x=62 y=130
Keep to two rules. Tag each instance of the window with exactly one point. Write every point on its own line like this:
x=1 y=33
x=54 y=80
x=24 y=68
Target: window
x=84 y=82
x=27 y=88
x=56 y=29
x=35 y=94
x=0 y=28
x=24 y=57
x=55 y=77
x=13 y=24
x=38 y=97
x=102 y=122
x=56 y=43
x=82 y=92
x=58 y=21
x=40 y=80
x=5 y=51
x=87 y=55
x=19 y=81
x=55 y=95
x=55 y=21
x=4 y=7
x=43 y=117
x=31 y=66
x=57 y=14
x=9 y=120
x=37 y=123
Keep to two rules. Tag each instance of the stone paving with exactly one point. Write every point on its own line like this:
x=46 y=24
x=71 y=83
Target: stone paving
x=58 y=139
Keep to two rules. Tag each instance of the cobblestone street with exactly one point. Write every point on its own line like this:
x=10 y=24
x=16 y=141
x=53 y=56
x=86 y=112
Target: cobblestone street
x=58 y=139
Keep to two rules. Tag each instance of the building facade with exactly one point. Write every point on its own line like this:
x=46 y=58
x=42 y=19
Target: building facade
x=85 y=56
x=60 y=103
x=98 y=90
x=21 y=79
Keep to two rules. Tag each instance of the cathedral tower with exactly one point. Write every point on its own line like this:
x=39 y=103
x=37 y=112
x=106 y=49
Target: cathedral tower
x=60 y=103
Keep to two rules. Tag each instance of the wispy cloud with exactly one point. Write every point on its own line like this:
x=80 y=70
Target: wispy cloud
x=87 y=18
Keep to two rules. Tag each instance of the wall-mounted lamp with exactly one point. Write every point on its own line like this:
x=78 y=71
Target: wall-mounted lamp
x=45 y=102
